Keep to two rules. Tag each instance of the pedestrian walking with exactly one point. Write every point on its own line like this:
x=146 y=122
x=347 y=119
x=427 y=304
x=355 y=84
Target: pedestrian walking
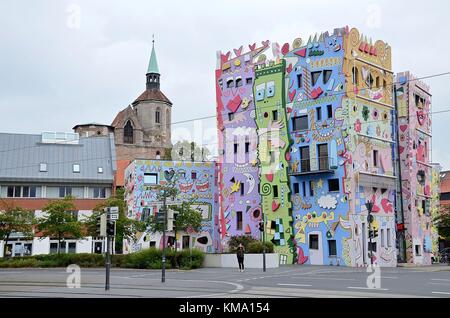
x=240 y=256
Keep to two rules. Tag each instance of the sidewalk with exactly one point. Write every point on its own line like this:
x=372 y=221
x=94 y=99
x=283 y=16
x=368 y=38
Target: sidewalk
x=426 y=268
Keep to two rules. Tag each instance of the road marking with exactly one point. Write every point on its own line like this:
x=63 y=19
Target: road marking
x=351 y=287
x=238 y=288
x=298 y=285
x=443 y=293
x=441 y=279
x=322 y=278
x=389 y=277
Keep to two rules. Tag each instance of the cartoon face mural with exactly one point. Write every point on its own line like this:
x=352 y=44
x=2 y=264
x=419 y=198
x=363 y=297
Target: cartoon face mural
x=195 y=182
x=273 y=148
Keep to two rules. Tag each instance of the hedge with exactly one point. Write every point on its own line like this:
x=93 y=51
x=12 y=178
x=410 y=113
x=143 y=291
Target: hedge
x=145 y=259
x=251 y=245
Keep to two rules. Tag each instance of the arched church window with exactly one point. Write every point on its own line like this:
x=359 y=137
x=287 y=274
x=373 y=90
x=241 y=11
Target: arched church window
x=158 y=116
x=128 y=133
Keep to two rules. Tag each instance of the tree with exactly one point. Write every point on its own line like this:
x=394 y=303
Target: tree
x=163 y=192
x=60 y=221
x=15 y=220
x=190 y=151
x=126 y=228
x=442 y=221
x=186 y=218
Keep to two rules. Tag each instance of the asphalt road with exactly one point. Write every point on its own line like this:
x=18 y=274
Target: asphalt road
x=286 y=281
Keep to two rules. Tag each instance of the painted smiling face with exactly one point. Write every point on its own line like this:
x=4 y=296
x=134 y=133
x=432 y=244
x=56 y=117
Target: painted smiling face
x=333 y=44
x=202 y=183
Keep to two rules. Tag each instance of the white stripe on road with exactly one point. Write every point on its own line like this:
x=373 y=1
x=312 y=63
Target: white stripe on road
x=389 y=277
x=351 y=287
x=443 y=293
x=297 y=285
x=441 y=279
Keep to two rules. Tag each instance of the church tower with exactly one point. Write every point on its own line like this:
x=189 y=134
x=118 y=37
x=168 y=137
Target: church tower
x=142 y=130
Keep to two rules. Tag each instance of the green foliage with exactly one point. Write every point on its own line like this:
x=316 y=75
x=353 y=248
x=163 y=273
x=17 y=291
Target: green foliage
x=145 y=259
x=256 y=247
x=15 y=220
x=245 y=240
x=190 y=151
x=59 y=222
x=442 y=221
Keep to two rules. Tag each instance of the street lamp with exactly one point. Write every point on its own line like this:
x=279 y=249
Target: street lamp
x=369 y=206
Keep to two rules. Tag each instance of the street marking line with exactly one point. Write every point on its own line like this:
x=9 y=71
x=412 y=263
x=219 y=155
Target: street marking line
x=443 y=293
x=238 y=288
x=367 y=288
x=389 y=277
x=298 y=285
x=441 y=279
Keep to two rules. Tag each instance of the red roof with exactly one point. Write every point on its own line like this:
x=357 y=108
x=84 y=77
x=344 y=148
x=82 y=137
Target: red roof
x=120 y=173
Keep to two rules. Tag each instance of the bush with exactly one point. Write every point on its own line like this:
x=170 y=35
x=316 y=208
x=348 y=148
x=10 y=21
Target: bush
x=146 y=259
x=256 y=247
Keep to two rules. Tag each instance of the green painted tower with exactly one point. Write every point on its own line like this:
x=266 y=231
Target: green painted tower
x=273 y=146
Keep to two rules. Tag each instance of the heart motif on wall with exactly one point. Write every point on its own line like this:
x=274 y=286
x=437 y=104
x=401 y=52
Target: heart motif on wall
x=387 y=205
x=289 y=68
x=285 y=49
x=234 y=104
x=265 y=43
x=292 y=95
x=269 y=177
x=252 y=46
x=275 y=205
x=224 y=57
x=288 y=156
x=168 y=174
x=238 y=51
x=403 y=127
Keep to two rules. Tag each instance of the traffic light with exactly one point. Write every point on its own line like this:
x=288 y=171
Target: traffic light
x=170 y=219
x=160 y=216
x=111 y=228
x=261 y=226
x=101 y=225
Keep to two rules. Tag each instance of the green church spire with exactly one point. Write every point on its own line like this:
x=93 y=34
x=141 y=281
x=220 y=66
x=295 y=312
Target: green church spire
x=153 y=64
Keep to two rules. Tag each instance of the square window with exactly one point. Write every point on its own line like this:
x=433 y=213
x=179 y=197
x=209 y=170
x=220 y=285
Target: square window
x=76 y=168
x=300 y=123
x=42 y=167
x=100 y=169
x=313 y=242
x=299 y=81
x=150 y=178
x=319 y=113
x=333 y=185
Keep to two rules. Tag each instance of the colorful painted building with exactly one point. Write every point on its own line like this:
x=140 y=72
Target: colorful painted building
x=196 y=182
x=239 y=207
x=418 y=175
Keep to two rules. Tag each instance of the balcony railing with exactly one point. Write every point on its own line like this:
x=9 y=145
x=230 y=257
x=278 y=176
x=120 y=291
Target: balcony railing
x=311 y=166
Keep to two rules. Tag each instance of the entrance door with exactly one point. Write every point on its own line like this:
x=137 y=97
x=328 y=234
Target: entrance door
x=186 y=239
x=315 y=248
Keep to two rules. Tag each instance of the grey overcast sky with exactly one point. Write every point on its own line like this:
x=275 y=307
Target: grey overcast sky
x=64 y=63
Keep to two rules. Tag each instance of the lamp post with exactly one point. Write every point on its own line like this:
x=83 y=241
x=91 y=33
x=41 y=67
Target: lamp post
x=264 y=242
x=369 y=206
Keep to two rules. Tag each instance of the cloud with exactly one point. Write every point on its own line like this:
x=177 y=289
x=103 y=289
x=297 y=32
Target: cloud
x=327 y=202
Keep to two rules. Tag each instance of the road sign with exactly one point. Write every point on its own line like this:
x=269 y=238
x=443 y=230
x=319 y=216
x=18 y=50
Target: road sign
x=113 y=217
x=114 y=210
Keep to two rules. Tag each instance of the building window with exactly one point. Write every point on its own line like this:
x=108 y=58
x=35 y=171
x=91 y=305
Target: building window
x=300 y=123
x=319 y=113
x=241 y=187
x=332 y=250
x=305 y=162
x=158 y=116
x=193 y=175
x=304 y=188
x=418 y=250
x=333 y=185
x=150 y=178
x=249 y=81
x=99 y=193
x=326 y=76
x=296 y=188
x=382 y=237
x=247 y=147
x=128 y=133
x=275 y=114
x=76 y=168
x=311 y=188
x=230 y=83
x=42 y=167
x=230 y=116
x=239 y=220
x=100 y=170
x=239 y=82
x=313 y=242
x=355 y=75
x=65 y=191
x=375 y=158
x=323 y=156
x=235 y=148
x=329 y=111
x=388 y=237
x=299 y=81
x=315 y=77
x=275 y=191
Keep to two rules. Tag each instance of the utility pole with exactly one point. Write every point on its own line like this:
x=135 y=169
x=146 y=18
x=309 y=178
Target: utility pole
x=262 y=229
x=400 y=217
x=369 y=206
x=163 y=277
